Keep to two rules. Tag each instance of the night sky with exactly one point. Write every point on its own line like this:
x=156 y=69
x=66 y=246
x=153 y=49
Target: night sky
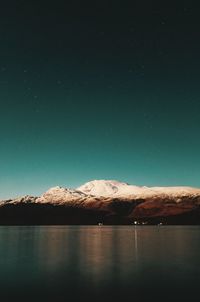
x=101 y=91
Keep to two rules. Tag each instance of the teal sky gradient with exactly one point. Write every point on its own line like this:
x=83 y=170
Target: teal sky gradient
x=99 y=100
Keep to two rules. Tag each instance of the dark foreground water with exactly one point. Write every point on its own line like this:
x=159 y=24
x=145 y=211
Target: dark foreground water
x=72 y=263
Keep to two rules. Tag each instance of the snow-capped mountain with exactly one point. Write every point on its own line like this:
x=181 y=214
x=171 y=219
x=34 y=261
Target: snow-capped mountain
x=60 y=195
x=107 y=189
x=110 y=201
x=18 y=200
x=113 y=188
x=102 y=187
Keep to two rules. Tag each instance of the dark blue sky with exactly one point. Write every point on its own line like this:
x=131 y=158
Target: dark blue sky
x=102 y=91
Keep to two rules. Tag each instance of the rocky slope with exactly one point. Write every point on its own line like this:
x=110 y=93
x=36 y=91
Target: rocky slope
x=107 y=201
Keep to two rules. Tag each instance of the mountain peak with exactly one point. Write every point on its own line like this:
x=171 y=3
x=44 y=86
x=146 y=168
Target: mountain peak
x=59 y=195
x=102 y=187
x=121 y=189
x=103 y=199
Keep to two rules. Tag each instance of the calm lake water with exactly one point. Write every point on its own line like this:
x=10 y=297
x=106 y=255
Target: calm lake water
x=91 y=263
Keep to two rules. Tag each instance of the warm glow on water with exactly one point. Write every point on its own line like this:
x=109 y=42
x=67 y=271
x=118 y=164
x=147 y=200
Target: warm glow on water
x=63 y=263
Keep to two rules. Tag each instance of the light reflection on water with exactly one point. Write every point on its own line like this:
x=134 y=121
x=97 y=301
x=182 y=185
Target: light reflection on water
x=66 y=262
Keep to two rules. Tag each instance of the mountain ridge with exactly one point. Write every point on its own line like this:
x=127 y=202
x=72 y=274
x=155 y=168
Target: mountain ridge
x=110 y=201
x=104 y=187
x=114 y=188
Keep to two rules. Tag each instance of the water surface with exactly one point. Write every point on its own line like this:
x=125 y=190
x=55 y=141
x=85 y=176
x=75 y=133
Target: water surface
x=92 y=263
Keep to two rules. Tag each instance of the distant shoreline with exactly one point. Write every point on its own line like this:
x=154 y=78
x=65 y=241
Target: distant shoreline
x=48 y=214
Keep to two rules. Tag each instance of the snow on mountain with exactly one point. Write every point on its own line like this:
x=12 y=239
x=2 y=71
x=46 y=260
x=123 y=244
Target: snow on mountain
x=176 y=190
x=113 y=188
x=105 y=191
x=18 y=200
x=114 y=201
x=102 y=187
x=60 y=195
